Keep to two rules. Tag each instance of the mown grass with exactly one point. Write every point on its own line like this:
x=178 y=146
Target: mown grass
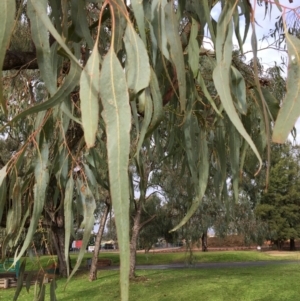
x=268 y=283
x=151 y=258
x=198 y=257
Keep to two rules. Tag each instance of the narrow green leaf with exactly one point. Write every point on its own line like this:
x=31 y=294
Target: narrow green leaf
x=172 y=31
x=89 y=97
x=28 y=280
x=190 y=140
x=66 y=110
x=138 y=11
x=158 y=28
x=278 y=5
x=237 y=27
x=53 y=287
x=21 y=225
x=14 y=214
x=244 y=149
x=134 y=109
x=272 y=103
x=42 y=292
x=68 y=217
x=61 y=168
x=79 y=21
x=3 y=190
x=234 y=152
x=290 y=109
x=207 y=11
x=158 y=112
x=207 y=94
x=66 y=88
x=20 y=280
x=92 y=181
x=120 y=24
x=221 y=74
x=194 y=49
x=41 y=175
x=238 y=89
x=146 y=121
x=196 y=11
x=203 y=179
x=40 y=37
x=56 y=14
x=7 y=16
x=89 y=205
x=117 y=116
x=43 y=15
x=137 y=61
x=246 y=10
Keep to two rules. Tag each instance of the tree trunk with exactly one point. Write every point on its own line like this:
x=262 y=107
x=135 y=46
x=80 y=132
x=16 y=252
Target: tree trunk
x=137 y=226
x=204 y=241
x=133 y=241
x=93 y=269
x=292 y=244
x=58 y=238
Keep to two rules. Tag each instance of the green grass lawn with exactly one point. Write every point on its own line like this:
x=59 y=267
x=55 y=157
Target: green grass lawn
x=269 y=283
x=35 y=263
x=182 y=257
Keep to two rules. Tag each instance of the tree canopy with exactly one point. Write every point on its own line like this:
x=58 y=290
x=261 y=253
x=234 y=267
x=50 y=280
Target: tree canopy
x=279 y=206
x=99 y=84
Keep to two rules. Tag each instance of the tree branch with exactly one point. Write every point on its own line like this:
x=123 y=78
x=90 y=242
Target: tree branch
x=20 y=60
x=147 y=221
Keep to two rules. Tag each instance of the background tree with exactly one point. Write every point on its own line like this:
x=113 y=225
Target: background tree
x=279 y=205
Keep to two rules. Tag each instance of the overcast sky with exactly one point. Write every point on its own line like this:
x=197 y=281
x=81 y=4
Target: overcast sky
x=264 y=24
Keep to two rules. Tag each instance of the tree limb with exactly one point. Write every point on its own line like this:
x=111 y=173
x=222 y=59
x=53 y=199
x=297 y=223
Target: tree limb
x=147 y=221
x=20 y=60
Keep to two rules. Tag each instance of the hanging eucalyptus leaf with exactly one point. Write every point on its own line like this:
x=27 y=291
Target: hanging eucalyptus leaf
x=68 y=202
x=290 y=109
x=7 y=16
x=137 y=61
x=89 y=97
x=41 y=40
x=41 y=175
x=172 y=27
x=117 y=117
x=221 y=74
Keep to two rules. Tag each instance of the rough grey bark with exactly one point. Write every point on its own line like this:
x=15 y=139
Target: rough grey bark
x=137 y=226
x=20 y=60
x=133 y=242
x=58 y=239
x=204 y=241
x=93 y=269
x=292 y=244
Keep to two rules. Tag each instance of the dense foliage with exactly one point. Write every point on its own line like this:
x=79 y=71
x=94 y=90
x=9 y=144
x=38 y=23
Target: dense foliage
x=279 y=205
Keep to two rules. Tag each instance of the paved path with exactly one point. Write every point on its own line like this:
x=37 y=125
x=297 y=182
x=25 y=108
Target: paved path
x=209 y=265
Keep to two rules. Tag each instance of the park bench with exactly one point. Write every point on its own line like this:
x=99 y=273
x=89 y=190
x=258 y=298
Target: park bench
x=8 y=280
x=7 y=266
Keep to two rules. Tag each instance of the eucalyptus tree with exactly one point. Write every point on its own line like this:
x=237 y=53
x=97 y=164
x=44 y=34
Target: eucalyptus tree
x=98 y=238
x=142 y=194
x=110 y=68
